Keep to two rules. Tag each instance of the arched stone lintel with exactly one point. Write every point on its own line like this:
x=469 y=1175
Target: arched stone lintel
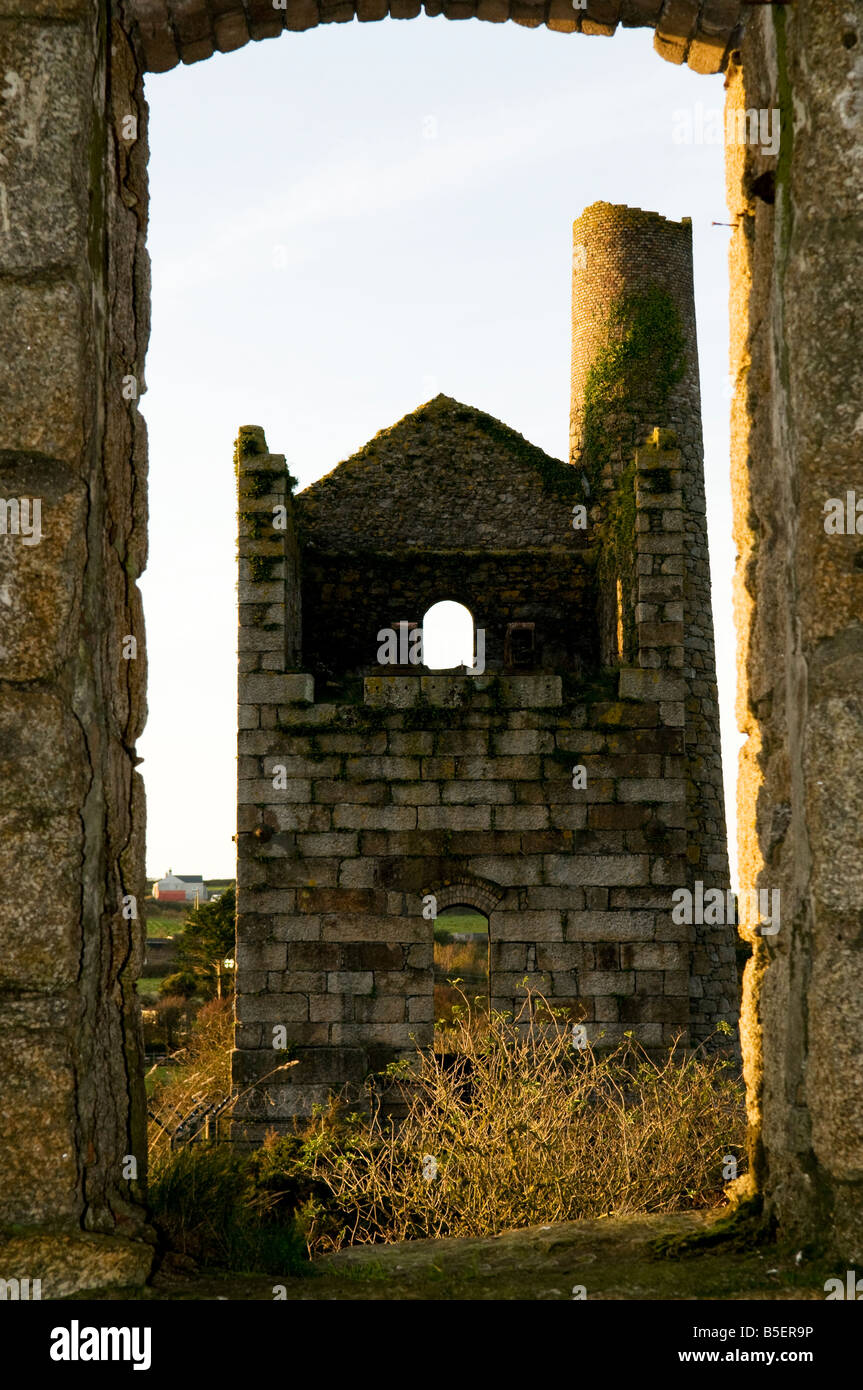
x=701 y=33
x=469 y=892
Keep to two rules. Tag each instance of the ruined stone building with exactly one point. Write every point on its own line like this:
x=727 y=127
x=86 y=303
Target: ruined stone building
x=565 y=786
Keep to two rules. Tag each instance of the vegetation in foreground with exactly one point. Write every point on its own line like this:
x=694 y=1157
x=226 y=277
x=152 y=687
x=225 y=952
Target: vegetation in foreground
x=510 y=1126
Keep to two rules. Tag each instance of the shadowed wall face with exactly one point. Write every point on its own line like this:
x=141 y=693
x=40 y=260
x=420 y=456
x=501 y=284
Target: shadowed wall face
x=447 y=504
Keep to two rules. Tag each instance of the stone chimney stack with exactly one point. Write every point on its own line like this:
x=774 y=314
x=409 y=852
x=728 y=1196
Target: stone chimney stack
x=617 y=252
x=635 y=368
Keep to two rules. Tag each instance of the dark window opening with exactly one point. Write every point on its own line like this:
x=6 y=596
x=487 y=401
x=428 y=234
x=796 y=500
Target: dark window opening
x=519 y=652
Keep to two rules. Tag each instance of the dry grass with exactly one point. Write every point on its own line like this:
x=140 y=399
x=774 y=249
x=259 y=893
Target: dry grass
x=448 y=997
x=460 y=957
x=464 y=960
x=522 y=1129
x=199 y=1076
x=200 y=1073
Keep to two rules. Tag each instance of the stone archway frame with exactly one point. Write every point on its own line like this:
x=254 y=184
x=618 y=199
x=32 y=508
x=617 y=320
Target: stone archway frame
x=74 y=305
x=167 y=32
x=468 y=892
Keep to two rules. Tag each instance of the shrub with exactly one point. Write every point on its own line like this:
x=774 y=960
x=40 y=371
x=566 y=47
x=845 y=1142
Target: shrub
x=468 y=961
x=168 y=1021
x=207 y=1203
x=208 y=937
x=206 y=1198
x=198 y=1079
x=182 y=983
x=523 y=1129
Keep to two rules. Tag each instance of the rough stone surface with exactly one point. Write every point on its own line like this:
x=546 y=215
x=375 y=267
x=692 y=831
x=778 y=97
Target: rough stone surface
x=73 y=1264
x=39 y=591
x=618 y=251
x=43 y=218
x=41 y=406
x=73 y=290
x=796 y=429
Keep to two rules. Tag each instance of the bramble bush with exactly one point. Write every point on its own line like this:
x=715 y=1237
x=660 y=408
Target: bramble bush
x=523 y=1127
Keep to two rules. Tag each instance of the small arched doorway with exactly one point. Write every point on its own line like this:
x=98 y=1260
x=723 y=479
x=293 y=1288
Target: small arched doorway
x=461 y=962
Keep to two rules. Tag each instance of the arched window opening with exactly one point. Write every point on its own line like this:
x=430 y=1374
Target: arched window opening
x=447 y=636
x=461 y=946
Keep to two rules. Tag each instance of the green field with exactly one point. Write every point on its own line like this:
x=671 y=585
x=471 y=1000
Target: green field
x=457 y=922
x=165 y=926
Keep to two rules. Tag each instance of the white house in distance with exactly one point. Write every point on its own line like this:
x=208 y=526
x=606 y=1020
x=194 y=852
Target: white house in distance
x=180 y=888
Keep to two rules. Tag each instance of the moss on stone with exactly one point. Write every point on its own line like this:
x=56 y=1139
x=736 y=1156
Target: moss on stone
x=601 y=686
x=558 y=477
x=614 y=1258
x=97 y=226
x=256 y=523
x=426 y=716
x=495 y=692
x=786 y=106
x=629 y=383
x=785 y=208
x=561 y=756
x=632 y=377
x=744 y=1227
x=261 y=567
x=250 y=442
x=416 y=434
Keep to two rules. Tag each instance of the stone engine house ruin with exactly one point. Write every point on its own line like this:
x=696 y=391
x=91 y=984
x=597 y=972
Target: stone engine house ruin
x=565 y=786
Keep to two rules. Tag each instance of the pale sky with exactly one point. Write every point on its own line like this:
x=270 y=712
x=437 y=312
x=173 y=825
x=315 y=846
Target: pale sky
x=344 y=222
